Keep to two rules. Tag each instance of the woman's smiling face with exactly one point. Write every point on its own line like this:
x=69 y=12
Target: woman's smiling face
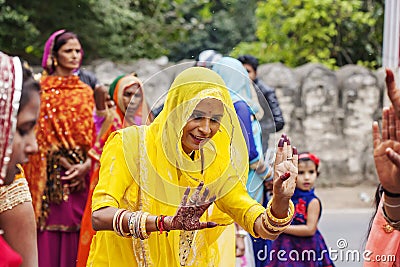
x=203 y=124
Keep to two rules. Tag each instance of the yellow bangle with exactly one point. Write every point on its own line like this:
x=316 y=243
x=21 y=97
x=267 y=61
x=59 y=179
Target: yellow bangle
x=276 y=220
x=270 y=231
x=273 y=228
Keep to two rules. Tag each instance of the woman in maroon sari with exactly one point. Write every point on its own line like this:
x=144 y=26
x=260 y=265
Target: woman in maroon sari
x=59 y=173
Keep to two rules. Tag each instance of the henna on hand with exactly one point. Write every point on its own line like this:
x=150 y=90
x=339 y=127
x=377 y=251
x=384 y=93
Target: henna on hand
x=189 y=212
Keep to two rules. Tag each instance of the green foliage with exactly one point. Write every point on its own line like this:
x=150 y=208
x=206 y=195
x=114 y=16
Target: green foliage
x=218 y=25
x=332 y=32
x=122 y=30
x=17 y=33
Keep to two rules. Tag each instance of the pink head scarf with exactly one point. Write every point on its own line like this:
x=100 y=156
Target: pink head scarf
x=47 y=60
x=10 y=95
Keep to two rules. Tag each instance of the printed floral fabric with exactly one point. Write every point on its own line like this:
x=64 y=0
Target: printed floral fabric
x=65 y=124
x=305 y=251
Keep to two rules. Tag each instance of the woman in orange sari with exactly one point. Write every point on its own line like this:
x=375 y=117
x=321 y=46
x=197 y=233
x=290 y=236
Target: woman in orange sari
x=130 y=108
x=59 y=174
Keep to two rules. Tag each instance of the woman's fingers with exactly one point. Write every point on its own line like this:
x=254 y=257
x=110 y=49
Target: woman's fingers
x=196 y=195
x=284 y=176
x=204 y=225
x=393 y=156
x=185 y=196
x=392 y=125
x=205 y=195
x=295 y=158
x=397 y=125
x=279 y=150
x=385 y=122
x=393 y=92
x=376 y=135
x=65 y=164
x=70 y=174
x=198 y=189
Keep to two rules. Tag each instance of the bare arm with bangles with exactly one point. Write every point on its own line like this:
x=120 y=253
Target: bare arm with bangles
x=127 y=223
x=276 y=218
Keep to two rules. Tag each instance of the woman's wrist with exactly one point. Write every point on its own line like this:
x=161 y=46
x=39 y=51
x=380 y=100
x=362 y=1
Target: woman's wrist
x=390 y=193
x=280 y=207
x=391 y=200
x=391 y=206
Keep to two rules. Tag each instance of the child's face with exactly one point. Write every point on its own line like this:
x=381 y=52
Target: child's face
x=307 y=175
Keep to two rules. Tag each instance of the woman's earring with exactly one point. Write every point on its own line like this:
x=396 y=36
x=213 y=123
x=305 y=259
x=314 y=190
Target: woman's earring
x=55 y=63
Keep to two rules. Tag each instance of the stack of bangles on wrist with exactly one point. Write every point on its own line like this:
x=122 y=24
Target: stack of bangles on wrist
x=274 y=225
x=136 y=224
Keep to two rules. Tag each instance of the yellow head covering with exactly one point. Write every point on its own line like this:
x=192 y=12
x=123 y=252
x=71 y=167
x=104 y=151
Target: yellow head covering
x=164 y=170
x=220 y=159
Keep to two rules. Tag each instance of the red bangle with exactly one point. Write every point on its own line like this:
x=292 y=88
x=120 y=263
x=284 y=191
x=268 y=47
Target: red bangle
x=161 y=223
x=156 y=223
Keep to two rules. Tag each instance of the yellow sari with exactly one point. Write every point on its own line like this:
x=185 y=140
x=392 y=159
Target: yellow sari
x=145 y=168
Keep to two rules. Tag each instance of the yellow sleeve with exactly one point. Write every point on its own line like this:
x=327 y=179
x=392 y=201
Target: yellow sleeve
x=241 y=207
x=115 y=179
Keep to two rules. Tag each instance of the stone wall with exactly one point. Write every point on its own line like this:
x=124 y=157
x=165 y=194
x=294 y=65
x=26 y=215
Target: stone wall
x=327 y=112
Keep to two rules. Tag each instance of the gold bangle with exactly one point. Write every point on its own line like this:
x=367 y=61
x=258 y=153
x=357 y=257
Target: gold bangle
x=283 y=221
x=270 y=222
x=268 y=229
x=143 y=220
x=273 y=228
x=121 y=223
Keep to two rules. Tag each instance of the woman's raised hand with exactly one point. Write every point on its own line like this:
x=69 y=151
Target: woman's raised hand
x=387 y=150
x=285 y=168
x=190 y=210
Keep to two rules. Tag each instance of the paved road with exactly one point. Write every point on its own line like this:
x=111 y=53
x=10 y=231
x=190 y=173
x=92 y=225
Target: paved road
x=345 y=233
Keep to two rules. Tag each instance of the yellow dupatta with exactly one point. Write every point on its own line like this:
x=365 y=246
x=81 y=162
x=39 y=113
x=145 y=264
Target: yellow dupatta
x=166 y=171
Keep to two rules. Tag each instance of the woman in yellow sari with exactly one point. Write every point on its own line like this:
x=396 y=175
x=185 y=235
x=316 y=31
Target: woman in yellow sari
x=147 y=171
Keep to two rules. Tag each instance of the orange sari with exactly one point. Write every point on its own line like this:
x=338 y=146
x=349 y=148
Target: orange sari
x=113 y=119
x=65 y=124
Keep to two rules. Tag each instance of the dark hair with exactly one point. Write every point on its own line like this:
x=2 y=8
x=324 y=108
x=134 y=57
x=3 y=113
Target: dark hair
x=29 y=85
x=248 y=59
x=308 y=159
x=377 y=200
x=62 y=39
